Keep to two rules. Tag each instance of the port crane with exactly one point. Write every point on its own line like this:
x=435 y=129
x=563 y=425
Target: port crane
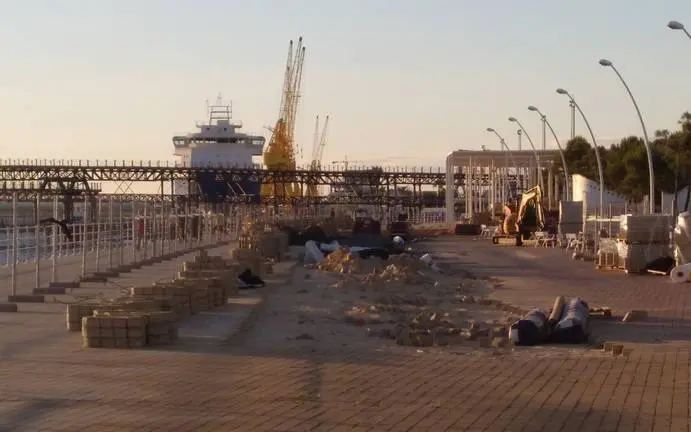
x=280 y=152
x=317 y=153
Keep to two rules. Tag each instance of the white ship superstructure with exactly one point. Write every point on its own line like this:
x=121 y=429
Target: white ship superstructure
x=218 y=144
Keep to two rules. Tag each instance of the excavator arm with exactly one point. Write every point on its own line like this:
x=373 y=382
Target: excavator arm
x=531 y=215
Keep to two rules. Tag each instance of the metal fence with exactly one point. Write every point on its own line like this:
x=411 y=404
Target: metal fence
x=110 y=235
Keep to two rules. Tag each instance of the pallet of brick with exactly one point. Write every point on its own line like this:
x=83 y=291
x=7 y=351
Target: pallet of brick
x=163 y=297
x=161 y=328
x=178 y=290
x=645 y=229
x=225 y=279
x=114 y=330
x=74 y=314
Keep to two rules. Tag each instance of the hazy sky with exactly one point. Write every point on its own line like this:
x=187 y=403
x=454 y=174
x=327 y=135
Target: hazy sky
x=400 y=78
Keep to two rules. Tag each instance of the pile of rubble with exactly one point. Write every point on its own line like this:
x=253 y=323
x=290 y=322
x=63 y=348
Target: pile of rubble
x=341 y=261
x=438 y=328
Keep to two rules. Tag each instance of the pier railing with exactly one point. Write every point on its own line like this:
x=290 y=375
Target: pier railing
x=133 y=163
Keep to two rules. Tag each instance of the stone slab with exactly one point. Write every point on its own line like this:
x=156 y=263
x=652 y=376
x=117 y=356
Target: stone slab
x=54 y=290
x=26 y=298
x=9 y=307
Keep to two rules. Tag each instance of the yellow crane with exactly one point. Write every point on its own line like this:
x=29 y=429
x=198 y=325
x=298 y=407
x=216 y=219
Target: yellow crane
x=280 y=152
x=317 y=154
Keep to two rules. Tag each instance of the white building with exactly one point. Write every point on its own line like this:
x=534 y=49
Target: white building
x=588 y=191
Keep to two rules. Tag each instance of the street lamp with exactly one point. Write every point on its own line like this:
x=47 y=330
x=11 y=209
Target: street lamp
x=503 y=143
x=537 y=157
x=676 y=25
x=507 y=153
x=561 y=151
x=600 y=172
x=607 y=63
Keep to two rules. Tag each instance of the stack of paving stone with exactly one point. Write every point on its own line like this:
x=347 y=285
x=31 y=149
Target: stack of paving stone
x=76 y=312
x=113 y=330
x=165 y=296
x=203 y=283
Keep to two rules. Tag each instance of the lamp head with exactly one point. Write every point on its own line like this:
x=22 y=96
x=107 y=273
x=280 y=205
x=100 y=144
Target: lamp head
x=490 y=129
x=561 y=91
x=605 y=62
x=675 y=25
x=532 y=108
x=512 y=119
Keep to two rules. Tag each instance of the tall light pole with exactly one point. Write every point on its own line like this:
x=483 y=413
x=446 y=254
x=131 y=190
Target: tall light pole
x=676 y=25
x=648 y=150
x=600 y=173
x=561 y=151
x=537 y=157
x=507 y=152
x=573 y=119
x=504 y=145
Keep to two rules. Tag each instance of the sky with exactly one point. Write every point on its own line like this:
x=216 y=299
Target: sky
x=405 y=82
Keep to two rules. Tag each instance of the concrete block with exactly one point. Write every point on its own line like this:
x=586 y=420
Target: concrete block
x=66 y=285
x=24 y=298
x=125 y=268
x=55 y=290
x=110 y=273
x=9 y=307
x=93 y=278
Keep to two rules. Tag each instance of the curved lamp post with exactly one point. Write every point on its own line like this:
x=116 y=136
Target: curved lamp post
x=507 y=152
x=537 y=157
x=503 y=143
x=648 y=150
x=600 y=172
x=561 y=151
x=676 y=25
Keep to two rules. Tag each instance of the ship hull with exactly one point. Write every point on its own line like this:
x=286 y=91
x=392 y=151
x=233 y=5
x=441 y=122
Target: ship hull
x=213 y=190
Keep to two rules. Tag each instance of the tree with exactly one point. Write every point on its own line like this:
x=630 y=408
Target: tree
x=625 y=164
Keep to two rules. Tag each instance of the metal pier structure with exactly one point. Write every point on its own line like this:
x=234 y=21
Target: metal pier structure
x=71 y=179
x=497 y=176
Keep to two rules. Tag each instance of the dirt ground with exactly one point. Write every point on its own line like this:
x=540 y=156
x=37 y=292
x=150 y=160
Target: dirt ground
x=388 y=304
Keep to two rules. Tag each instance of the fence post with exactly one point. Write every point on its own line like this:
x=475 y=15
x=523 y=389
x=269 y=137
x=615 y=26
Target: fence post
x=85 y=218
x=15 y=255
x=54 y=241
x=99 y=209
x=37 y=240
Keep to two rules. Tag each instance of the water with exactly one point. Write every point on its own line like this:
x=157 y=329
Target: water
x=27 y=250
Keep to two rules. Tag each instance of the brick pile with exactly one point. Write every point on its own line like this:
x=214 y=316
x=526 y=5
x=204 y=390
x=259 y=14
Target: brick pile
x=149 y=315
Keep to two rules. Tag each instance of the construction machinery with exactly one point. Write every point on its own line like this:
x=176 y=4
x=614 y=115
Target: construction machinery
x=524 y=218
x=280 y=152
x=317 y=153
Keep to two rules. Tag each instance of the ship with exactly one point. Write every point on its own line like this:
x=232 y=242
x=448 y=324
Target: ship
x=219 y=143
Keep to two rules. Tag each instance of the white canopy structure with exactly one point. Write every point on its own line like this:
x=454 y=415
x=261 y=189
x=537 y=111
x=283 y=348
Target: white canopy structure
x=489 y=177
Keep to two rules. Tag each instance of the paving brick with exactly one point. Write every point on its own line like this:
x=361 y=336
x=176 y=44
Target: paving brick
x=256 y=385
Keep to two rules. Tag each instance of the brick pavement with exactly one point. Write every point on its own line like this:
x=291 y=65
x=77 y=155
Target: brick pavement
x=48 y=383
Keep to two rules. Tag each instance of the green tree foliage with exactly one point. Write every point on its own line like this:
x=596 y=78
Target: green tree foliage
x=625 y=164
